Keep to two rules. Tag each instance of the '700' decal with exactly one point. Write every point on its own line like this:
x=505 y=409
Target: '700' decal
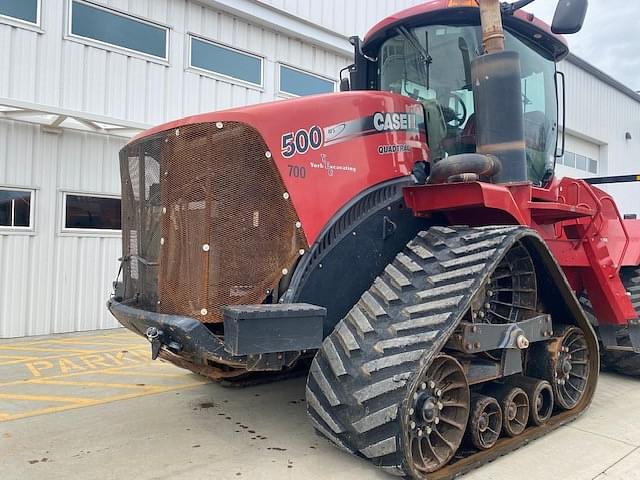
x=301 y=141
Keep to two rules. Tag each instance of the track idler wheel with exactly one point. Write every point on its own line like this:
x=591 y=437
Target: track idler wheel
x=514 y=403
x=540 y=396
x=438 y=414
x=485 y=422
x=564 y=362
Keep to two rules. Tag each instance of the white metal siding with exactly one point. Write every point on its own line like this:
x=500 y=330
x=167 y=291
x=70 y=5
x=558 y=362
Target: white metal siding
x=51 y=282
x=351 y=17
x=582 y=147
x=602 y=115
x=43 y=68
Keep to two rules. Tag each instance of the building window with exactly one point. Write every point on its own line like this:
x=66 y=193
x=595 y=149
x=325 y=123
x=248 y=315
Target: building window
x=226 y=61
x=579 y=162
x=570 y=159
x=113 y=28
x=299 y=83
x=16 y=208
x=22 y=10
x=91 y=212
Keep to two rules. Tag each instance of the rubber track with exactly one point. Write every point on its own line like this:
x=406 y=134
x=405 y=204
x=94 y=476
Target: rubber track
x=625 y=363
x=366 y=366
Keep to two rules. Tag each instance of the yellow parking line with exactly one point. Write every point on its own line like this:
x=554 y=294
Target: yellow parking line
x=42 y=411
x=95 y=384
x=146 y=374
x=123 y=334
x=80 y=342
x=28 y=344
x=45 y=398
x=38 y=349
x=19 y=358
x=138 y=349
x=66 y=375
x=4 y=416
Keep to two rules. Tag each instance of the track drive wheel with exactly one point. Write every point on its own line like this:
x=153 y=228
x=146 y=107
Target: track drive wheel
x=438 y=414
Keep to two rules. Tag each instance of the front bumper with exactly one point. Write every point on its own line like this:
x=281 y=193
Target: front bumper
x=179 y=336
x=258 y=337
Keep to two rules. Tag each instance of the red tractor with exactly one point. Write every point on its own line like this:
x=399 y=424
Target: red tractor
x=406 y=241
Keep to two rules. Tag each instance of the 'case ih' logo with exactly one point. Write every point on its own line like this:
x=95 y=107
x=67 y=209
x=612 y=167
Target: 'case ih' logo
x=394 y=121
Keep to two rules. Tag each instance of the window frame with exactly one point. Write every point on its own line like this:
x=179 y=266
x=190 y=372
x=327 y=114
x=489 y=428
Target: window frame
x=285 y=94
x=18 y=22
x=92 y=42
x=29 y=230
x=65 y=231
x=221 y=76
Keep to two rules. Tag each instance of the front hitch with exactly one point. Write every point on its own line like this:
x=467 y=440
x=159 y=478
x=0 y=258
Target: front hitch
x=157 y=339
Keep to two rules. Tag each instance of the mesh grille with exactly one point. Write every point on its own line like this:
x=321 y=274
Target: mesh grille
x=205 y=222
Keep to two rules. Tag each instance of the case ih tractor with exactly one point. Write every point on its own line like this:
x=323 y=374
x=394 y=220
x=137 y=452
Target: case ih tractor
x=405 y=240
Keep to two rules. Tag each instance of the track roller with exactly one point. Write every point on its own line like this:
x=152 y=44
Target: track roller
x=514 y=403
x=564 y=363
x=540 y=396
x=485 y=422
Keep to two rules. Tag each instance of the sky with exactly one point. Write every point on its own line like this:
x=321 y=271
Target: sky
x=609 y=39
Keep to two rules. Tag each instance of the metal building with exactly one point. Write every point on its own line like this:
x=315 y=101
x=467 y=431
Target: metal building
x=72 y=91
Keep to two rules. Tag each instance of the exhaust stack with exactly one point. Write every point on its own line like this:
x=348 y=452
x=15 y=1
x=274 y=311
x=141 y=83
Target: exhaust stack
x=497 y=96
x=491 y=21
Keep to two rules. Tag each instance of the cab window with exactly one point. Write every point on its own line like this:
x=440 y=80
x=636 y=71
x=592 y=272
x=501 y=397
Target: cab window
x=433 y=66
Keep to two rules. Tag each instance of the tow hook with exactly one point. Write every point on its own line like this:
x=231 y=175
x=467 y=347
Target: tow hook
x=155 y=338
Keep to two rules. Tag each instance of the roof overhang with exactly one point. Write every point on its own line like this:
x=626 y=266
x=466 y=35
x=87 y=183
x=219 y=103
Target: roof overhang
x=55 y=120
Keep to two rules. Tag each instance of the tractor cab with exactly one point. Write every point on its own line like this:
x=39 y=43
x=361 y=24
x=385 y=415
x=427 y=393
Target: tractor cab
x=426 y=53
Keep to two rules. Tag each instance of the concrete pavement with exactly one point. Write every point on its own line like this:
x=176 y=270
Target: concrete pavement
x=148 y=420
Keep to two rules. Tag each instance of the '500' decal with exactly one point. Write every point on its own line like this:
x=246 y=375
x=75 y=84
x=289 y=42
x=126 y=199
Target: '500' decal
x=301 y=141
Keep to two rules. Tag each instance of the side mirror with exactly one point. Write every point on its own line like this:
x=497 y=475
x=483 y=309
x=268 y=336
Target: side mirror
x=569 y=16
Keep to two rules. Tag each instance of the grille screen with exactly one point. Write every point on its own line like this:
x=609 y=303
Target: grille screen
x=205 y=222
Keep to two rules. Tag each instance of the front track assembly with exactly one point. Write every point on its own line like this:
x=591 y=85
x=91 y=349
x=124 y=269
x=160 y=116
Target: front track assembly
x=469 y=345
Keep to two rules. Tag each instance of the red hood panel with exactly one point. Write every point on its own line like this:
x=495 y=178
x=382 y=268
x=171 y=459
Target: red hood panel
x=328 y=148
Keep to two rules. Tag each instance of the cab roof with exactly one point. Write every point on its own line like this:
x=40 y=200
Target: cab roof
x=439 y=12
